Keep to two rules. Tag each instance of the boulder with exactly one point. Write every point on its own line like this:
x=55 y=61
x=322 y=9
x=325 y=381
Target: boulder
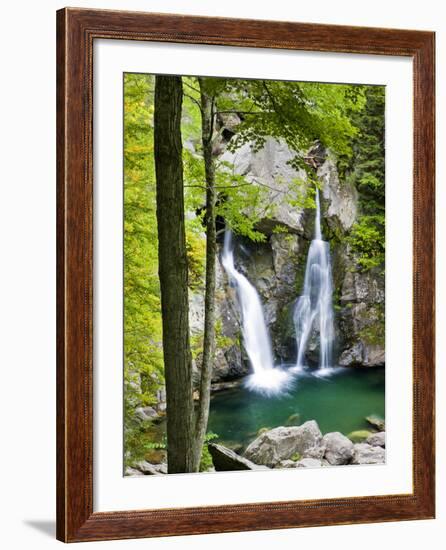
x=377 y=439
x=145 y=413
x=338 y=448
x=282 y=443
x=366 y=454
x=316 y=452
x=351 y=356
x=374 y=355
x=151 y=469
x=225 y=460
x=376 y=422
x=362 y=353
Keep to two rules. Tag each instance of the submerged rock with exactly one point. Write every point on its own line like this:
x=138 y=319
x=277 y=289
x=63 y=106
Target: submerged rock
x=366 y=454
x=282 y=443
x=359 y=436
x=293 y=420
x=226 y=460
x=338 y=448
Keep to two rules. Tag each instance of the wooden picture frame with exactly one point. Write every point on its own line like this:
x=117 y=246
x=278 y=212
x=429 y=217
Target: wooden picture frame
x=76 y=31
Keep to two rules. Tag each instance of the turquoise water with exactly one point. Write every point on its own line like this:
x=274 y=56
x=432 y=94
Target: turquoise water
x=338 y=403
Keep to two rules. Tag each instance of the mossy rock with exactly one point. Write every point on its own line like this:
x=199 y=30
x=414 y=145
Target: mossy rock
x=377 y=422
x=359 y=436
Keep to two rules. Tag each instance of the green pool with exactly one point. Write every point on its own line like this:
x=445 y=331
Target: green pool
x=338 y=403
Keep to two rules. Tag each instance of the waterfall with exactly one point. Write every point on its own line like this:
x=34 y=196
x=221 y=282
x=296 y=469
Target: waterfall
x=256 y=339
x=314 y=308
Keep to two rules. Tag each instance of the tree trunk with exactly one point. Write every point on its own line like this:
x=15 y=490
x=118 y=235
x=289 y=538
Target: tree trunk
x=173 y=274
x=207 y=114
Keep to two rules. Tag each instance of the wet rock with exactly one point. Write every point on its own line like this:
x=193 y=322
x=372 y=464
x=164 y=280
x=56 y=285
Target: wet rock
x=342 y=197
x=352 y=356
x=222 y=386
x=374 y=355
x=362 y=354
x=361 y=322
x=376 y=422
x=226 y=460
x=221 y=368
x=367 y=454
x=338 y=448
x=282 y=443
x=377 y=439
x=285 y=247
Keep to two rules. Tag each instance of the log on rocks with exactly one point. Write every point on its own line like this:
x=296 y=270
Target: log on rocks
x=226 y=460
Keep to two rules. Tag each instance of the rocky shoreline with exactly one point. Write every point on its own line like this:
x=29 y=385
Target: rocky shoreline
x=301 y=446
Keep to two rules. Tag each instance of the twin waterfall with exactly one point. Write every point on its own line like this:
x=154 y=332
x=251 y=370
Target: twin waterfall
x=313 y=312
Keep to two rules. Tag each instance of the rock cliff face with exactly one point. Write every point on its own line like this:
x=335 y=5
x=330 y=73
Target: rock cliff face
x=276 y=267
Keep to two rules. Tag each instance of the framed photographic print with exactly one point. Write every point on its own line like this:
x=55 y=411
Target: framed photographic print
x=245 y=275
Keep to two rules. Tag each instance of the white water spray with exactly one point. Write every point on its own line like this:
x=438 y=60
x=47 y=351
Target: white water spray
x=314 y=308
x=256 y=340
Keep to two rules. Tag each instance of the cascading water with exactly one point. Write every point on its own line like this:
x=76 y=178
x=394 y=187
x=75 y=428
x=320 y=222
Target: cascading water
x=314 y=308
x=265 y=378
